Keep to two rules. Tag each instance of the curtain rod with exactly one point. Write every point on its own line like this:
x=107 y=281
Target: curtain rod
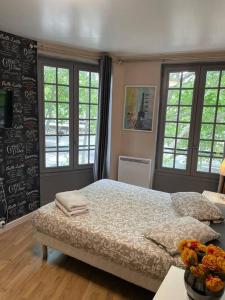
x=65 y=51
x=173 y=57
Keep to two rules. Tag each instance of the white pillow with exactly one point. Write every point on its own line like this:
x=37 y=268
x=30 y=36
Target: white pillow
x=170 y=233
x=197 y=206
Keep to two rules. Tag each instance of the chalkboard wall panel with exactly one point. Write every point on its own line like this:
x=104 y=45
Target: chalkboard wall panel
x=19 y=145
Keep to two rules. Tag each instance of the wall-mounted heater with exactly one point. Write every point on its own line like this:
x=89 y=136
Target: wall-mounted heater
x=136 y=171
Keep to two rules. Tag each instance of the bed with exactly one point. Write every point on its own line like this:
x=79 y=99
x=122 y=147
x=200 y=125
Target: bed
x=111 y=236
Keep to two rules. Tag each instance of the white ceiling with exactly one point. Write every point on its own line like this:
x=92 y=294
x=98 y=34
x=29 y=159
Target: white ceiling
x=120 y=26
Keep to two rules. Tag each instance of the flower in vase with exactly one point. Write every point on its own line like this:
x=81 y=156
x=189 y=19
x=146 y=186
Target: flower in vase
x=214 y=250
x=210 y=262
x=189 y=257
x=198 y=271
x=214 y=284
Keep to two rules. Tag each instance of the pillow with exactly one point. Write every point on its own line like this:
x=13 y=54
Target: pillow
x=170 y=233
x=197 y=206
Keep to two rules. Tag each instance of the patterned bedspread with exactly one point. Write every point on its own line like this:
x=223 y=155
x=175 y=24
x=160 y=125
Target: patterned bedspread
x=114 y=227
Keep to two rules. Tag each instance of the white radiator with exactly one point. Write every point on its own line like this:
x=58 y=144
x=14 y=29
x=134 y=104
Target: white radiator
x=136 y=171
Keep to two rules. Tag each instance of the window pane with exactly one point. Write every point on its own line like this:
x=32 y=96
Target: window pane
x=84 y=78
x=203 y=164
x=63 y=93
x=83 y=127
x=50 y=127
x=50 y=141
x=220 y=132
x=205 y=146
x=63 y=127
x=183 y=130
x=49 y=74
x=63 y=158
x=170 y=130
x=50 y=110
x=94 y=96
x=63 y=141
x=180 y=162
x=210 y=97
x=222 y=83
x=168 y=160
x=93 y=111
x=84 y=111
x=188 y=79
x=169 y=143
x=92 y=140
x=206 y=131
x=212 y=78
x=186 y=97
x=49 y=92
x=222 y=97
x=83 y=157
x=50 y=159
x=208 y=114
x=220 y=115
x=215 y=167
x=171 y=113
x=83 y=140
x=182 y=144
x=92 y=156
x=185 y=114
x=174 y=79
x=94 y=79
x=84 y=95
x=63 y=110
x=93 y=127
x=63 y=76
x=173 y=97
x=219 y=148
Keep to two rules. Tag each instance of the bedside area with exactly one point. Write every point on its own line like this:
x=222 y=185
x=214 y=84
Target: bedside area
x=172 y=287
x=219 y=200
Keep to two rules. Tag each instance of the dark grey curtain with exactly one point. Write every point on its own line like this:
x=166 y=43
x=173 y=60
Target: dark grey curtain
x=100 y=164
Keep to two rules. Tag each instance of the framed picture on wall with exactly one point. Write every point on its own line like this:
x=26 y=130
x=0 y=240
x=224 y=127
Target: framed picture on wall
x=139 y=107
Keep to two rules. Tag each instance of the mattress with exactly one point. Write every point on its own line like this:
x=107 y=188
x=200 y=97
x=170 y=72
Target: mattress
x=114 y=227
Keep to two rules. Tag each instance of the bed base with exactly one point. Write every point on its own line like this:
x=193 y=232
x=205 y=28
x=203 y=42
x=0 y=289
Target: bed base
x=97 y=261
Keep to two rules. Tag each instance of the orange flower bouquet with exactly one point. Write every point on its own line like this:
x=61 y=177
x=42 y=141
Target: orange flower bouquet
x=205 y=273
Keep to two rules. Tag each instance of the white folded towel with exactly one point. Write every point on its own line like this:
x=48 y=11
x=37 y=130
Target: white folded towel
x=72 y=200
x=76 y=212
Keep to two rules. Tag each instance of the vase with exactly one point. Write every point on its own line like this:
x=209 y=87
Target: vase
x=196 y=289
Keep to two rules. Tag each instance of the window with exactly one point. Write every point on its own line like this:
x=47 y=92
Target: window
x=192 y=125
x=178 y=119
x=56 y=116
x=88 y=112
x=212 y=134
x=69 y=113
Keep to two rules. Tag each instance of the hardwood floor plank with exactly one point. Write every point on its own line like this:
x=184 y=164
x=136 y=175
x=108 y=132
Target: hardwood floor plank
x=25 y=276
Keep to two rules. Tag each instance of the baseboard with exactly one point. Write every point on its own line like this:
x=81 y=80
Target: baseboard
x=16 y=222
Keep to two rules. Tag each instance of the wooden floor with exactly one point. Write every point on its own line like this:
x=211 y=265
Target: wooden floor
x=23 y=274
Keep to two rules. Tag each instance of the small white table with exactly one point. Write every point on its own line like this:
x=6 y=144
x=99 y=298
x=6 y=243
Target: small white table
x=214 y=197
x=172 y=287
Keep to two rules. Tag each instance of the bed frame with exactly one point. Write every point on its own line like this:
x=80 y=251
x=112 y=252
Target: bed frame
x=97 y=261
